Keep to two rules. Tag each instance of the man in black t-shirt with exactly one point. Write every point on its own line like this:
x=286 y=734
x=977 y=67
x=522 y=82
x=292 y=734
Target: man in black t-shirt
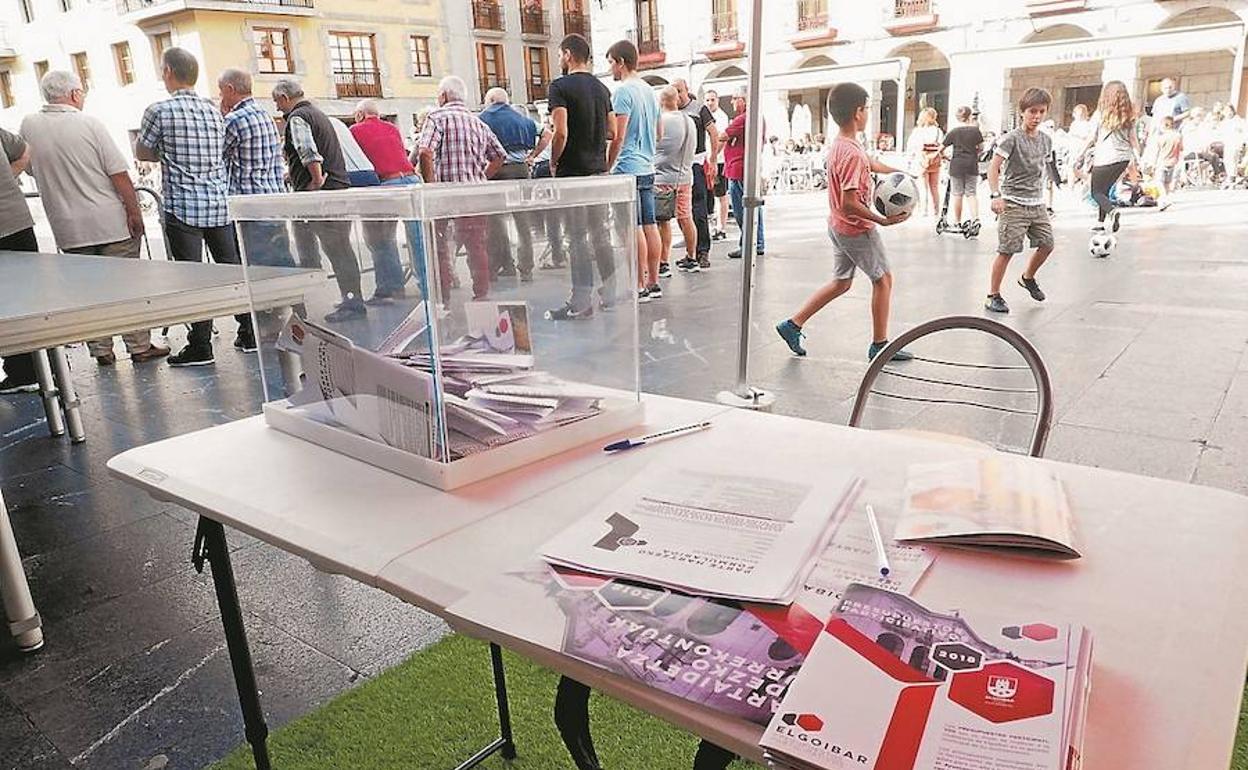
x=580 y=109
x=967 y=142
x=707 y=149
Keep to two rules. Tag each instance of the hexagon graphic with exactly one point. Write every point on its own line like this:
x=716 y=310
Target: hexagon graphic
x=579 y=581
x=810 y=723
x=956 y=656
x=623 y=595
x=1002 y=692
x=1012 y=632
x=789 y=719
x=1040 y=632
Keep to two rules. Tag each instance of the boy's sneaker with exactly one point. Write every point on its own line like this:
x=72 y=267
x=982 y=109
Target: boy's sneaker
x=347 y=311
x=246 y=342
x=9 y=386
x=192 y=356
x=1115 y=217
x=687 y=265
x=1032 y=288
x=569 y=313
x=792 y=335
x=704 y=262
x=655 y=291
x=996 y=303
x=876 y=347
x=665 y=270
x=643 y=296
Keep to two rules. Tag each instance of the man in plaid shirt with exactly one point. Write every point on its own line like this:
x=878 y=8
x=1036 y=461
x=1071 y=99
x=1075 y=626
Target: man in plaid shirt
x=457 y=146
x=254 y=166
x=186 y=134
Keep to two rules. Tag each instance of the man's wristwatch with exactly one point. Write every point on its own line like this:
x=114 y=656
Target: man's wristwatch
x=994 y=196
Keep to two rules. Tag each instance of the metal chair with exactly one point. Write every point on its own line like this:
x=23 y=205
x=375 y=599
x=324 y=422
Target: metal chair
x=910 y=371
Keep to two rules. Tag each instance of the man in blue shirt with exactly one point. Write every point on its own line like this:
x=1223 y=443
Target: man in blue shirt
x=254 y=166
x=187 y=135
x=632 y=147
x=1172 y=102
x=518 y=135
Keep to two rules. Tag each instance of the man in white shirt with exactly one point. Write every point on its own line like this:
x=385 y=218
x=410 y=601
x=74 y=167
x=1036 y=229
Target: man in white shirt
x=86 y=190
x=721 y=182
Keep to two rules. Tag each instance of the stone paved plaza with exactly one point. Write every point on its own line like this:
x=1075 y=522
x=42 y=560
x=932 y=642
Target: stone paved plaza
x=1148 y=353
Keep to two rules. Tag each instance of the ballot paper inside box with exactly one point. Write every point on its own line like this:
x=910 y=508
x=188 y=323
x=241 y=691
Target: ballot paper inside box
x=453 y=332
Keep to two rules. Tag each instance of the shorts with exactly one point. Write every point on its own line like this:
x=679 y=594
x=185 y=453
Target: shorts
x=684 y=201
x=963 y=186
x=645 y=199
x=1018 y=220
x=1167 y=175
x=858 y=252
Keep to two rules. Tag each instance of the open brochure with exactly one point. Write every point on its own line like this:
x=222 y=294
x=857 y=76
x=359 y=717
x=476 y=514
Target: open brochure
x=890 y=684
x=699 y=529
x=998 y=502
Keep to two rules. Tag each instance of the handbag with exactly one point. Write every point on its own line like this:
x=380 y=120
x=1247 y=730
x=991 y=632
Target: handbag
x=665 y=202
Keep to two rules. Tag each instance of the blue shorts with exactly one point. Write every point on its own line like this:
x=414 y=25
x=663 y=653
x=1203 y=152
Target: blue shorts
x=645 y=200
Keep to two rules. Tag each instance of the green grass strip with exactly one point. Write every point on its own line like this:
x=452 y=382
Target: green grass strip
x=437 y=709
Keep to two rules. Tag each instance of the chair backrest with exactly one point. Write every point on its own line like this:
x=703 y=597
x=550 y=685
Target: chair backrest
x=964 y=394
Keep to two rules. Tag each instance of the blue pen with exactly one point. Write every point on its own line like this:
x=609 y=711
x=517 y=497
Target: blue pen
x=630 y=443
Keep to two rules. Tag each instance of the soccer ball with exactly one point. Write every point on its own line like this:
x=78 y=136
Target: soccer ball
x=896 y=194
x=1101 y=245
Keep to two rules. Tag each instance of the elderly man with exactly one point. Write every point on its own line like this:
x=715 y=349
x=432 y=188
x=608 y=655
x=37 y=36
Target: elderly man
x=734 y=169
x=87 y=194
x=382 y=144
x=187 y=135
x=315 y=161
x=253 y=165
x=705 y=158
x=673 y=179
x=518 y=135
x=17 y=233
x=456 y=146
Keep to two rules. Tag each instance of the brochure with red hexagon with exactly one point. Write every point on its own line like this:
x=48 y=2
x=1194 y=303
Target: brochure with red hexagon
x=892 y=685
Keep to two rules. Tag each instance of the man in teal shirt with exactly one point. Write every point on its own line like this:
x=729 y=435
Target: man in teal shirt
x=632 y=152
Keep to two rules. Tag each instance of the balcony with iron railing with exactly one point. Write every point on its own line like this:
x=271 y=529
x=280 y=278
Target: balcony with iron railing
x=487 y=15
x=575 y=21
x=649 y=42
x=812 y=24
x=534 y=21
x=726 y=40
x=143 y=11
x=493 y=81
x=911 y=16
x=357 y=84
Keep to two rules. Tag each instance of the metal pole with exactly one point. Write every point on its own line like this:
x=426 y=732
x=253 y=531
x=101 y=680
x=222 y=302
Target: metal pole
x=753 y=146
x=19 y=608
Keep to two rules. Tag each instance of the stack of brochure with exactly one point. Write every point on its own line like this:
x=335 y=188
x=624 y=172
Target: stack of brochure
x=697 y=529
x=892 y=684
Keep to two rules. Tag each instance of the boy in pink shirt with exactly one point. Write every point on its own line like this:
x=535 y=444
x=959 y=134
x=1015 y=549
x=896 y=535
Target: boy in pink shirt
x=856 y=243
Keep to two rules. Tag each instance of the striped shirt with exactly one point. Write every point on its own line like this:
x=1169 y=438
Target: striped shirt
x=461 y=143
x=253 y=152
x=187 y=133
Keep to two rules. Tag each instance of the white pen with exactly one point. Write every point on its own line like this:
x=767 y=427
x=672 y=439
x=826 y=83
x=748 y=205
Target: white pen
x=881 y=558
x=629 y=443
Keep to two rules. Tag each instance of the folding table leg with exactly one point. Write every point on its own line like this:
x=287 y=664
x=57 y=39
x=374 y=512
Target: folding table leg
x=503 y=745
x=69 y=398
x=48 y=392
x=210 y=544
x=508 y=749
x=19 y=608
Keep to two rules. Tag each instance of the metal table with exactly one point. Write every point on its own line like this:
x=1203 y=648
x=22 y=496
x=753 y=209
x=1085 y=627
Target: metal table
x=51 y=300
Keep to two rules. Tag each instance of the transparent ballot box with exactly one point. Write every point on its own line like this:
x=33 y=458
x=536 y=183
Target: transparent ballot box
x=460 y=330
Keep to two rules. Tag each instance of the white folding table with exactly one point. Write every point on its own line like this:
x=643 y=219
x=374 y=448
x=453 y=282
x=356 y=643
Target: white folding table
x=51 y=300
x=1161 y=583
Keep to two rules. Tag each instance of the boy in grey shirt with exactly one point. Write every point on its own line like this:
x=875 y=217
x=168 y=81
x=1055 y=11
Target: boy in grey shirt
x=1016 y=178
